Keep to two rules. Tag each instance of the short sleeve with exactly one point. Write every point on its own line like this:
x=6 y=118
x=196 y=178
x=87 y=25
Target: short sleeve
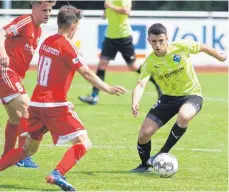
x=73 y=57
x=17 y=26
x=190 y=46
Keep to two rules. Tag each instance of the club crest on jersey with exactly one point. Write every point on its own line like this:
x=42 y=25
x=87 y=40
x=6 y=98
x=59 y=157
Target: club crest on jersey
x=75 y=60
x=176 y=58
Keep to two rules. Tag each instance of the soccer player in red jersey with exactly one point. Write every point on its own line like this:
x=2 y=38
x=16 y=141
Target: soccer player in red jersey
x=49 y=109
x=18 y=41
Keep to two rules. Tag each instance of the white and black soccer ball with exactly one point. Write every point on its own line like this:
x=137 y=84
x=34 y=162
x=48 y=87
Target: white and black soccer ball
x=165 y=165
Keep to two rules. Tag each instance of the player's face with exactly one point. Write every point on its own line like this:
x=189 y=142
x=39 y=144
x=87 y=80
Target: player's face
x=42 y=12
x=159 y=44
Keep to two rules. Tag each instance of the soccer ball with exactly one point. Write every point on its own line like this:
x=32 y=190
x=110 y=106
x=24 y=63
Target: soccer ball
x=165 y=165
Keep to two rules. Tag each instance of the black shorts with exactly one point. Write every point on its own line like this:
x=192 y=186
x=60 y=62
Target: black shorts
x=125 y=46
x=168 y=106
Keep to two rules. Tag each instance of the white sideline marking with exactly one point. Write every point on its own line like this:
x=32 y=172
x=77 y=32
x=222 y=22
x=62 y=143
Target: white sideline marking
x=124 y=147
x=155 y=93
x=73 y=86
x=133 y=147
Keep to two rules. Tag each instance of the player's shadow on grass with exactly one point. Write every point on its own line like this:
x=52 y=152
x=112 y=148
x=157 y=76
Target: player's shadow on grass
x=2 y=187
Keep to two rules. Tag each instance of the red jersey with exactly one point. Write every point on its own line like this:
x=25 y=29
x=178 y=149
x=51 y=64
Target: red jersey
x=58 y=61
x=21 y=42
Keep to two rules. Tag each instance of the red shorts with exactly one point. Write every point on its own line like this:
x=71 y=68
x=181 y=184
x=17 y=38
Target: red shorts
x=62 y=122
x=10 y=85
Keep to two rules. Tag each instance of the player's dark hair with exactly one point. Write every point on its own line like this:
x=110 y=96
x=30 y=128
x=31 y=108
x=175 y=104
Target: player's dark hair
x=67 y=16
x=157 y=29
x=39 y=2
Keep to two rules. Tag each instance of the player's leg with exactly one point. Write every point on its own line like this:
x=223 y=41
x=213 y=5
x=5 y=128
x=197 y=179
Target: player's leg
x=15 y=155
x=159 y=114
x=80 y=145
x=16 y=102
x=14 y=108
x=127 y=50
x=109 y=52
x=65 y=126
x=190 y=106
x=148 y=128
x=17 y=110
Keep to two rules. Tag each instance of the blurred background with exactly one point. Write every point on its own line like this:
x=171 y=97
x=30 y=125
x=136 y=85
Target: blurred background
x=204 y=21
x=137 y=5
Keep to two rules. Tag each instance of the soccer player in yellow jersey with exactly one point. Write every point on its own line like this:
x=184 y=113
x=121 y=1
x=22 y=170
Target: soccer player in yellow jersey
x=170 y=66
x=118 y=38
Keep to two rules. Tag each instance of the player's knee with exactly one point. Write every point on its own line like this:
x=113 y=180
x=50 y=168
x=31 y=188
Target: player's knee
x=82 y=139
x=183 y=119
x=88 y=144
x=134 y=66
x=103 y=64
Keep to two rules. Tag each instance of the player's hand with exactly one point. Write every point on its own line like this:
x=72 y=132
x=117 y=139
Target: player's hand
x=107 y=4
x=223 y=57
x=4 y=61
x=135 y=108
x=118 y=90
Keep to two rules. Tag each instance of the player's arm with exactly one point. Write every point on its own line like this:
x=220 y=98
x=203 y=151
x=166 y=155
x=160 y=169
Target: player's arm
x=122 y=10
x=212 y=52
x=92 y=78
x=137 y=95
x=4 y=59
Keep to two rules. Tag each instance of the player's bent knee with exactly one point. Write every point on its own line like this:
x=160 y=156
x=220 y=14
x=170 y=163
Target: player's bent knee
x=83 y=139
x=186 y=116
x=103 y=64
x=134 y=67
x=88 y=145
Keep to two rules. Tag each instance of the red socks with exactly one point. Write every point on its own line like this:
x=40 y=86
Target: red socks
x=11 y=133
x=12 y=157
x=70 y=158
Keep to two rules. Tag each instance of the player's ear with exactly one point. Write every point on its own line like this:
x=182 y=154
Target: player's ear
x=74 y=26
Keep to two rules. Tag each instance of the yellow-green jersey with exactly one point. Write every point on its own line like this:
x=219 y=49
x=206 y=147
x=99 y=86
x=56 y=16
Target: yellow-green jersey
x=174 y=72
x=118 y=24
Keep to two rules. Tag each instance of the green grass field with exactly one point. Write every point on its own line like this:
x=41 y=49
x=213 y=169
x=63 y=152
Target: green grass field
x=202 y=153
